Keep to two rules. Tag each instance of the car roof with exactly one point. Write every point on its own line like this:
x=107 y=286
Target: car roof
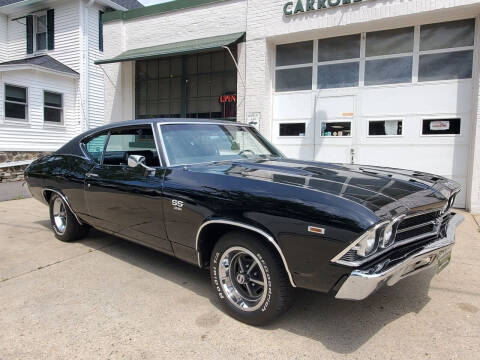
x=72 y=146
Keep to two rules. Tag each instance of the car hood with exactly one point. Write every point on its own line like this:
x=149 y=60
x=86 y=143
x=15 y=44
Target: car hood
x=385 y=191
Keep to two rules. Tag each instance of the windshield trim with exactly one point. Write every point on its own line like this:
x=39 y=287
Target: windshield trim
x=167 y=160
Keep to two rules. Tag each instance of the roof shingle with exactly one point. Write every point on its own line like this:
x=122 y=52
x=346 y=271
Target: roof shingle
x=43 y=61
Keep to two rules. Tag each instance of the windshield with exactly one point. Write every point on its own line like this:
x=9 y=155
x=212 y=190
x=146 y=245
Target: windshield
x=197 y=143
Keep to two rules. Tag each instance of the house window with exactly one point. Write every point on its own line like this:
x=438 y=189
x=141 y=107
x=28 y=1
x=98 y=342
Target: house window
x=294 y=63
x=384 y=127
x=292 y=129
x=340 y=128
x=441 y=126
x=41 y=32
x=15 y=102
x=52 y=107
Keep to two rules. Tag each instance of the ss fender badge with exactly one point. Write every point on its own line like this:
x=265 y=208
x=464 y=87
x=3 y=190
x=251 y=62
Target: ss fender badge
x=316 y=230
x=177 y=205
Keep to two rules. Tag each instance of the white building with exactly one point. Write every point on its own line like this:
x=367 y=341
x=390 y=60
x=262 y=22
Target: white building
x=50 y=89
x=386 y=82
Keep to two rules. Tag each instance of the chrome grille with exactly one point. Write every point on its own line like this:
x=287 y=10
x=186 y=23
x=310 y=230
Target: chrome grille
x=418 y=226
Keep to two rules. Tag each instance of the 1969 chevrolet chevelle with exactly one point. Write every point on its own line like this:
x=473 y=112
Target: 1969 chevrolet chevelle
x=218 y=195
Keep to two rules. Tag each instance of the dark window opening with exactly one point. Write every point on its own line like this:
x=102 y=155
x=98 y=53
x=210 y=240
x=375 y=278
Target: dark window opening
x=336 y=128
x=52 y=107
x=100 y=30
x=15 y=102
x=385 y=127
x=194 y=86
x=292 y=129
x=441 y=126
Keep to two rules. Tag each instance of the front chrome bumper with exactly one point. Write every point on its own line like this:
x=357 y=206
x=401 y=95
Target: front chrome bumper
x=362 y=283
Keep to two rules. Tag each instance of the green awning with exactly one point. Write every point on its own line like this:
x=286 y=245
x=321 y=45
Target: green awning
x=178 y=48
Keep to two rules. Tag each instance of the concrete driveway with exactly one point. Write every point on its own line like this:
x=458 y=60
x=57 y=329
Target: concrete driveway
x=105 y=298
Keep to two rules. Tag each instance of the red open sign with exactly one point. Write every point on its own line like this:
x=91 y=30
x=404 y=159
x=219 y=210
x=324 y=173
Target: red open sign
x=228 y=98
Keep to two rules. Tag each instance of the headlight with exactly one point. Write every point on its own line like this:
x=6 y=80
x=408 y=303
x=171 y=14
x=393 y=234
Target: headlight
x=367 y=244
x=387 y=236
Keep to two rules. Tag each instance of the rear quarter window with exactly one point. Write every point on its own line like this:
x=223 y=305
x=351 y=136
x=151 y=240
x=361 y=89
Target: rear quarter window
x=95 y=146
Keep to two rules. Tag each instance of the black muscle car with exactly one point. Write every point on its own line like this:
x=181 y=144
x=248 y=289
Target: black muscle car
x=218 y=195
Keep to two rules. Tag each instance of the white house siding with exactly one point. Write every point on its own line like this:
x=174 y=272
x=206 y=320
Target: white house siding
x=34 y=134
x=3 y=38
x=95 y=81
x=77 y=46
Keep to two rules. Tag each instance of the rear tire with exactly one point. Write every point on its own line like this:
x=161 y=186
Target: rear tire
x=249 y=279
x=64 y=224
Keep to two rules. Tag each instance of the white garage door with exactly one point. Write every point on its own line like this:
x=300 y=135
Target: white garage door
x=406 y=106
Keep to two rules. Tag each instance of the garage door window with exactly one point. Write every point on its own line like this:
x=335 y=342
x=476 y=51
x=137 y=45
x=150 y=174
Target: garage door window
x=389 y=56
x=294 y=63
x=292 y=129
x=342 y=128
x=432 y=52
x=385 y=128
x=446 y=50
x=339 y=62
x=441 y=126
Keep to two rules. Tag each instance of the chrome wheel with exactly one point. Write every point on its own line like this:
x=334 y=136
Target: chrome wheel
x=243 y=278
x=59 y=216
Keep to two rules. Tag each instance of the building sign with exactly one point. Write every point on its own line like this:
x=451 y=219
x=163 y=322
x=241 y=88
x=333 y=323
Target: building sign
x=302 y=6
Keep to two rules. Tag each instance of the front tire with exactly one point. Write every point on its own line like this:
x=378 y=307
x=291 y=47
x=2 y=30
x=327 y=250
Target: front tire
x=249 y=279
x=64 y=224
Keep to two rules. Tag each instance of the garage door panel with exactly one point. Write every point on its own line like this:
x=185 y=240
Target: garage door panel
x=293 y=106
x=441 y=160
x=335 y=107
x=332 y=153
x=449 y=97
x=302 y=152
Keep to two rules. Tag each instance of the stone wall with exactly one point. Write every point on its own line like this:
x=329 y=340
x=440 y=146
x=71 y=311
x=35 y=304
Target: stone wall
x=15 y=173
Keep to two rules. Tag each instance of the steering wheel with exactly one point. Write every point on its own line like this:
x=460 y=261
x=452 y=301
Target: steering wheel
x=247 y=151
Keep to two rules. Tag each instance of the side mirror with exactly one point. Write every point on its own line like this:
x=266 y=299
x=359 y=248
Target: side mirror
x=135 y=160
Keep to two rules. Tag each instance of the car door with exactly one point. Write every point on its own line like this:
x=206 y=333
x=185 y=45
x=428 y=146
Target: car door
x=126 y=200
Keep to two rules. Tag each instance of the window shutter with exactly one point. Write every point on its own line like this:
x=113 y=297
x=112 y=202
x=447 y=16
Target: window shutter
x=100 y=30
x=51 y=29
x=29 y=34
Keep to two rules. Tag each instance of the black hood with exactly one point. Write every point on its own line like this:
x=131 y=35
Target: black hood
x=385 y=191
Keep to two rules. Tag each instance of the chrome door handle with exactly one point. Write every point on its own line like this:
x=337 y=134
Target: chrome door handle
x=91 y=174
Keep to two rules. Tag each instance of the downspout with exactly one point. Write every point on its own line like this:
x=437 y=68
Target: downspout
x=86 y=51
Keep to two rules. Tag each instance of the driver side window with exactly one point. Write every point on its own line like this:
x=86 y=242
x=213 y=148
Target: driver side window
x=138 y=140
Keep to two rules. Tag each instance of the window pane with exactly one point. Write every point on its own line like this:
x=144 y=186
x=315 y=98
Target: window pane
x=339 y=48
x=94 y=147
x=294 y=129
x=176 y=66
x=164 y=67
x=336 y=128
x=441 y=126
x=395 y=41
x=14 y=93
x=42 y=24
x=447 y=35
x=15 y=111
x=41 y=41
x=388 y=127
x=293 y=79
x=52 y=115
x=218 y=60
x=338 y=75
x=388 y=71
x=454 y=65
x=296 y=53
x=126 y=142
x=191 y=64
x=52 y=99
x=204 y=64
x=152 y=69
